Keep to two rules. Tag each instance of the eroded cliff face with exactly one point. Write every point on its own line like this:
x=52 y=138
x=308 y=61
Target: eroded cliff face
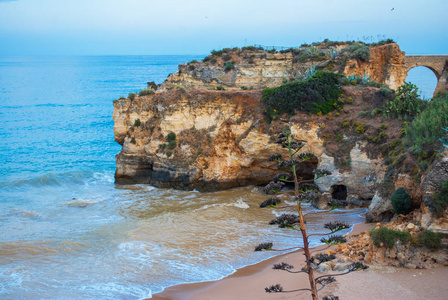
x=386 y=65
x=223 y=141
x=254 y=69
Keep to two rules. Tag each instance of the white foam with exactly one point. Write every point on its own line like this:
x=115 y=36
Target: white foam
x=80 y=202
x=114 y=289
x=25 y=213
x=104 y=176
x=278 y=213
x=239 y=204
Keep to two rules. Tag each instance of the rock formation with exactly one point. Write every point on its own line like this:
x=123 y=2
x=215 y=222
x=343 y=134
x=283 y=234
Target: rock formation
x=220 y=137
x=256 y=68
x=404 y=255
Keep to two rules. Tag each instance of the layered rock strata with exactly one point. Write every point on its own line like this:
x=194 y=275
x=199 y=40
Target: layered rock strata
x=224 y=141
x=260 y=69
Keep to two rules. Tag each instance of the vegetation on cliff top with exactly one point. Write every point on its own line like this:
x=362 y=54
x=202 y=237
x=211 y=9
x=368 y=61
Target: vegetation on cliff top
x=317 y=94
x=326 y=55
x=316 y=51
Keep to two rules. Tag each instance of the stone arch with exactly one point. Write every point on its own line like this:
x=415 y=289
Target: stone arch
x=409 y=68
x=438 y=64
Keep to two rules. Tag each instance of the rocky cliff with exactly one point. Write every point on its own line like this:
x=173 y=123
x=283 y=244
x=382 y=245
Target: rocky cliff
x=209 y=140
x=254 y=68
x=221 y=140
x=204 y=128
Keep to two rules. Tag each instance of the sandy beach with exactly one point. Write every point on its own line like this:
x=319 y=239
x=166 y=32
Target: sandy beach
x=374 y=283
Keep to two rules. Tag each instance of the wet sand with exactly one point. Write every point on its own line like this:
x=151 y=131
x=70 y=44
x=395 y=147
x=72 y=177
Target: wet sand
x=249 y=282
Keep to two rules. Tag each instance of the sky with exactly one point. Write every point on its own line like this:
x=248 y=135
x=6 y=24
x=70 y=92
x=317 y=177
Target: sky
x=146 y=27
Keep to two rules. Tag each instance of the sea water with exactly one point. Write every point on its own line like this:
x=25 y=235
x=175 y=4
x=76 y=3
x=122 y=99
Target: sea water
x=68 y=232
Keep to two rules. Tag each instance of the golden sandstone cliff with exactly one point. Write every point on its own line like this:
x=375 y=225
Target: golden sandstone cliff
x=258 y=68
x=204 y=128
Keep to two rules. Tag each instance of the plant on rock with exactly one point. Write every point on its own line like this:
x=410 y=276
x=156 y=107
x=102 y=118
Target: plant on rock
x=297 y=221
x=171 y=139
x=387 y=237
x=318 y=94
x=401 y=201
x=440 y=199
x=406 y=104
x=429 y=239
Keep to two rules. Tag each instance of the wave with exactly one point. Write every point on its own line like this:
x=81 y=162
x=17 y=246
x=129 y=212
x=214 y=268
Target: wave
x=46 y=105
x=80 y=202
x=61 y=178
x=239 y=204
x=24 y=214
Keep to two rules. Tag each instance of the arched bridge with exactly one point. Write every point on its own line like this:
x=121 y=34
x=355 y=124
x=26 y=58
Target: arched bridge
x=438 y=64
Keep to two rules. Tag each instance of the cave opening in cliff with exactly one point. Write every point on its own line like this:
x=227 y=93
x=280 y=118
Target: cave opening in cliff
x=339 y=192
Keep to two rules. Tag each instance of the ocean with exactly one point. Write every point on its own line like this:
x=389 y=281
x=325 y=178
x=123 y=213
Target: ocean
x=68 y=232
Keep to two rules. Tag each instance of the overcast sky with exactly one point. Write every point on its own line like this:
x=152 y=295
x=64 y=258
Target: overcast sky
x=101 y=27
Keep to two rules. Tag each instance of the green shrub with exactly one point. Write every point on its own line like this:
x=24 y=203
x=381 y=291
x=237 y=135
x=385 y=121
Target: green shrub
x=217 y=52
x=137 y=122
x=401 y=201
x=395 y=143
x=172 y=145
x=386 y=92
x=249 y=48
x=383 y=42
x=345 y=124
x=169 y=153
x=429 y=239
x=441 y=199
x=406 y=103
x=423 y=165
x=229 y=66
x=318 y=94
x=360 y=51
x=388 y=236
x=444 y=139
x=220 y=88
x=145 y=92
x=131 y=96
x=171 y=137
x=428 y=127
x=206 y=59
x=361 y=128
x=133 y=140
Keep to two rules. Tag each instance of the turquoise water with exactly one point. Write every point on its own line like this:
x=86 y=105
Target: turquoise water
x=67 y=231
